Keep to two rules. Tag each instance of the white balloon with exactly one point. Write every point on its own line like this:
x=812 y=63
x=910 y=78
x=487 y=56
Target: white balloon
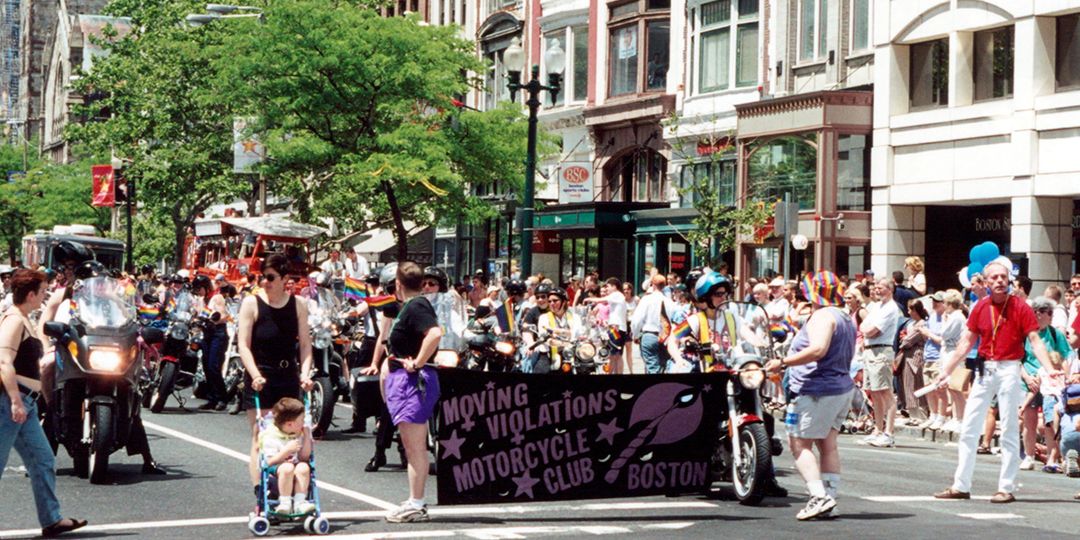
x=1005 y=261
x=964 y=281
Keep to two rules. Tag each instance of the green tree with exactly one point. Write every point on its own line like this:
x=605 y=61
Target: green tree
x=358 y=115
x=158 y=107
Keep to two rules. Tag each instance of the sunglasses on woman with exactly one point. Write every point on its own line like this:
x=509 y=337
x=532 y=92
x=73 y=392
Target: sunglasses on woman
x=430 y=284
x=270 y=278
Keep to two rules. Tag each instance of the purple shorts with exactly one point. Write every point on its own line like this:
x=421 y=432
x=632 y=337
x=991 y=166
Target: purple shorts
x=405 y=400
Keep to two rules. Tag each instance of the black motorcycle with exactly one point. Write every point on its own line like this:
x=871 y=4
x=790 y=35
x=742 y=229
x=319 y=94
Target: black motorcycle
x=488 y=349
x=180 y=367
x=98 y=368
x=743 y=453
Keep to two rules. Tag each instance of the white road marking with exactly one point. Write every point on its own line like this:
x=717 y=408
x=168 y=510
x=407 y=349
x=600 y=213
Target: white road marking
x=346 y=405
x=444 y=511
x=989 y=516
x=374 y=501
x=918 y=498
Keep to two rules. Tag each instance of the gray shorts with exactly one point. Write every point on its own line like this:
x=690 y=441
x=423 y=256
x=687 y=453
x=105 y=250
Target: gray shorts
x=813 y=417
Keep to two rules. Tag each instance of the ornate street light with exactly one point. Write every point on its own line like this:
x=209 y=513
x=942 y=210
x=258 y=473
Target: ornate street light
x=555 y=62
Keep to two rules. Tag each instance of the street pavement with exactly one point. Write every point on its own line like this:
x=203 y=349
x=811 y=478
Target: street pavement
x=885 y=494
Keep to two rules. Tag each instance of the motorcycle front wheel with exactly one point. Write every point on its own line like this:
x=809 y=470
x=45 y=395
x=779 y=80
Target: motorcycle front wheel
x=101 y=444
x=166 y=382
x=749 y=478
x=322 y=405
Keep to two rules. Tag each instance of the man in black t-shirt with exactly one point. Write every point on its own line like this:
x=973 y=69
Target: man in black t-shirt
x=529 y=322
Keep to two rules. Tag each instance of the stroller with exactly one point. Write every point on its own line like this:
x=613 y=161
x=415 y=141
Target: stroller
x=263 y=517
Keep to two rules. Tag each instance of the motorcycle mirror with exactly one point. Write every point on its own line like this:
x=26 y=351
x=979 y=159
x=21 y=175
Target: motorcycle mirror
x=215 y=317
x=55 y=330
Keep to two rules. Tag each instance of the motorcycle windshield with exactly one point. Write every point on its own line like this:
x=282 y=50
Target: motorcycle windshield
x=104 y=302
x=183 y=307
x=326 y=302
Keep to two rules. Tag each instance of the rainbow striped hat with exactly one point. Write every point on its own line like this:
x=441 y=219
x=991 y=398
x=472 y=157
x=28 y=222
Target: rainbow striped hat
x=823 y=288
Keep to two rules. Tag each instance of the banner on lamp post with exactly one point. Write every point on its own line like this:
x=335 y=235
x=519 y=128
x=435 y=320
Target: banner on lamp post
x=575 y=182
x=247 y=150
x=104 y=189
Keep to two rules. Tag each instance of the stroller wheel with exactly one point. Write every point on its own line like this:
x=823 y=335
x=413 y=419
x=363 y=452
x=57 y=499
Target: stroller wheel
x=258 y=525
x=309 y=524
x=321 y=525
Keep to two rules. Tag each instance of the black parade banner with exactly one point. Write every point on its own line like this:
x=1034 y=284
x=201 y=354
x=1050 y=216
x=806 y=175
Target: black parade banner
x=513 y=437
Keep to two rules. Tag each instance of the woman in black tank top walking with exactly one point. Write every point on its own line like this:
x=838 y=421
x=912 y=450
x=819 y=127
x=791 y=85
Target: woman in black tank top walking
x=20 y=354
x=272 y=334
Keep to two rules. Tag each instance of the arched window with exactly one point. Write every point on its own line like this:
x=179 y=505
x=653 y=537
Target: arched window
x=639 y=175
x=785 y=165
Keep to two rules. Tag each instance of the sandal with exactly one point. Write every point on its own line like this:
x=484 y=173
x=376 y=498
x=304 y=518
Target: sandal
x=983 y=450
x=1053 y=469
x=62 y=526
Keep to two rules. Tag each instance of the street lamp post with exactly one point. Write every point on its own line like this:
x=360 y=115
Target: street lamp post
x=555 y=62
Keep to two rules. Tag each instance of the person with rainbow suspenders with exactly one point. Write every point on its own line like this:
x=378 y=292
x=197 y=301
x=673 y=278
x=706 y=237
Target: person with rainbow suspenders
x=725 y=328
x=559 y=323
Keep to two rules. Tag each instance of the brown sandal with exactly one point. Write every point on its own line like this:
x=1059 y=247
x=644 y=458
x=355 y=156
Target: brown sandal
x=62 y=526
x=983 y=450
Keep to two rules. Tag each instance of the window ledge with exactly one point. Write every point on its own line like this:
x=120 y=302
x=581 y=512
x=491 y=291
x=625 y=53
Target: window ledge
x=941 y=115
x=809 y=64
x=722 y=93
x=859 y=55
x=1063 y=98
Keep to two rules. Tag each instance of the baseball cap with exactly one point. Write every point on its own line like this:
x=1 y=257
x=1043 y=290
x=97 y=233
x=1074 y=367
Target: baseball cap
x=938 y=296
x=777 y=282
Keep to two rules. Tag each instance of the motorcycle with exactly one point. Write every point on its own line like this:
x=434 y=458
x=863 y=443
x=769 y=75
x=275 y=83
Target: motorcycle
x=489 y=350
x=98 y=369
x=232 y=370
x=180 y=367
x=322 y=312
x=744 y=450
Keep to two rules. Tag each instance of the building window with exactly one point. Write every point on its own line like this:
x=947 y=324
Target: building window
x=813 y=28
x=639 y=47
x=727 y=37
x=496 y=5
x=1067 y=59
x=639 y=175
x=575 y=44
x=719 y=174
x=853 y=173
x=860 y=25
x=495 y=83
x=994 y=63
x=785 y=165
x=929 y=77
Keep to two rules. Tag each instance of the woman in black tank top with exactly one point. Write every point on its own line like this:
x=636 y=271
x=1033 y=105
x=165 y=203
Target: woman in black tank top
x=20 y=352
x=271 y=336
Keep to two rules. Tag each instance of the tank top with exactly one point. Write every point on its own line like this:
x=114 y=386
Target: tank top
x=274 y=337
x=831 y=375
x=28 y=355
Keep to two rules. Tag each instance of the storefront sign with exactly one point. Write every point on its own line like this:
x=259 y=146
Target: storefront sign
x=710 y=147
x=575 y=182
x=546 y=242
x=512 y=437
x=676 y=256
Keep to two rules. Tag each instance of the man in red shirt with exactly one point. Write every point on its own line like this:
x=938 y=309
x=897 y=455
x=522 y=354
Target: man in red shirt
x=1001 y=323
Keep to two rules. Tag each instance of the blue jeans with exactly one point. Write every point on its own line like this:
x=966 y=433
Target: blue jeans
x=653 y=353
x=1070 y=438
x=28 y=439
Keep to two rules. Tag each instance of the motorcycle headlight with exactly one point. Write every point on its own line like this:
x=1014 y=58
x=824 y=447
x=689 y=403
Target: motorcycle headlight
x=751 y=375
x=446 y=358
x=179 y=332
x=504 y=348
x=321 y=341
x=586 y=351
x=105 y=359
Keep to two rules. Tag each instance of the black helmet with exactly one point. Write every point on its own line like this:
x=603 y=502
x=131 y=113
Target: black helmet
x=515 y=287
x=201 y=282
x=90 y=269
x=440 y=276
x=146 y=269
x=692 y=278
x=387 y=277
x=372 y=278
x=558 y=291
x=542 y=290
x=176 y=278
x=71 y=252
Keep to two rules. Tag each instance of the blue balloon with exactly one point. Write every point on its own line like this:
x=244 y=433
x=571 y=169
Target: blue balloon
x=990 y=252
x=973 y=255
x=974 y=268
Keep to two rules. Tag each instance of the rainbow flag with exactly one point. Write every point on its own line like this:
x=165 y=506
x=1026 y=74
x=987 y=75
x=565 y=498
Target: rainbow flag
x=206 y=312
x=356 y=289
x=380 y=301
x=683 y=330
x=614 y=334
x=790 y=324
x=172 y=304
x=504 y=314
x=149 y=312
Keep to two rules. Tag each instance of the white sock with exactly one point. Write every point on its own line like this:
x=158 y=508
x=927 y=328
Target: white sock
x=832 y=483
x=299 y=498
x=816 y=487
x=416 y=503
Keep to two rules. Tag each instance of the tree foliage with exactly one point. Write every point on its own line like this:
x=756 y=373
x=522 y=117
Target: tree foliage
x=157 y=106
x=358 y=114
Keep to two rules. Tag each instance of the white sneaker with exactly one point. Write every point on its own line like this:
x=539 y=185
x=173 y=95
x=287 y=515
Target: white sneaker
x=866 y=440
x=407 y=513
x=1028 y=464
x=284 y=506
x=1072 y=468
x=938 y=424
x=883 y=441
x=926 y=423
x=816 y=507
x=305 y=507
x=952 y=426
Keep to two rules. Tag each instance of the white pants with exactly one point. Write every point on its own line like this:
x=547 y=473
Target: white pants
x=1002 y=379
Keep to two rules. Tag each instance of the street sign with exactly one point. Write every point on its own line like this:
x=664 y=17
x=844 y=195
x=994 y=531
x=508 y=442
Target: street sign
x=575 y=182
x=787 y=218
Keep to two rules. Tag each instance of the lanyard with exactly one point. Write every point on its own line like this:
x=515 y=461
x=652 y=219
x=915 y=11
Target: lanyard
x=997 y=324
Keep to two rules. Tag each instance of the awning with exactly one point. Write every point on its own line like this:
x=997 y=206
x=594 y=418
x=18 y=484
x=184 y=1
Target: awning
x=613 y=216
x=377 y=241
x=664 y=220
x=273 y=226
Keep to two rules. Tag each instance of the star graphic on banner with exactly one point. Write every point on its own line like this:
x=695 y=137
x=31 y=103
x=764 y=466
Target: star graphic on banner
x=250 y=146
x=567 y=394
x=609 y=430
x=468 y=424
x=490 y=385
x=517 y=438
x=707 y=388
x=452 y=446
x=525 y=484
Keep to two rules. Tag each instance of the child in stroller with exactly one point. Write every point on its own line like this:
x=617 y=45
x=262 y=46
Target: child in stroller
x=286 y=447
